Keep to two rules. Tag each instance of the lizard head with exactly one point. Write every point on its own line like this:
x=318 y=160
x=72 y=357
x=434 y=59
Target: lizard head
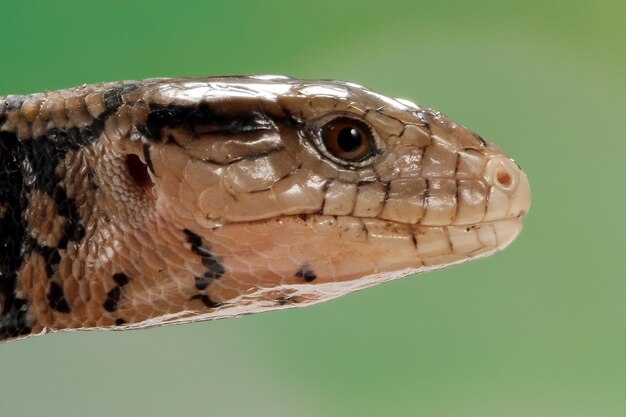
x=168 y=200
x=292 y=183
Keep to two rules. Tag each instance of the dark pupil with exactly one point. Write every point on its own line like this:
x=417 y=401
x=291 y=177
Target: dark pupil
x=349 y=139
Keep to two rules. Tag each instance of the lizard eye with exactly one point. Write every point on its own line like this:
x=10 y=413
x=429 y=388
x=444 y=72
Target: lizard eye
x=348 y=139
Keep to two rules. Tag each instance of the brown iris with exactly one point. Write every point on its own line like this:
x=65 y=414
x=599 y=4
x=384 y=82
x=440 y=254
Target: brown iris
x=348 y=139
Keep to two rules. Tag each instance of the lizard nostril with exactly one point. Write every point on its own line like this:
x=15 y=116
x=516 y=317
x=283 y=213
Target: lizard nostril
x=502 y=173
x=503 y=178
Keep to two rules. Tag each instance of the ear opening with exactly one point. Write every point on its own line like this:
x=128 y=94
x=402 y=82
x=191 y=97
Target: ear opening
x=138 y=171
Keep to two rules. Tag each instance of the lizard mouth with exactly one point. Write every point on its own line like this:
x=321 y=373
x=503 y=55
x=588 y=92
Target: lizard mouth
x=496 y=234
x=464 y=241
x=386 y=242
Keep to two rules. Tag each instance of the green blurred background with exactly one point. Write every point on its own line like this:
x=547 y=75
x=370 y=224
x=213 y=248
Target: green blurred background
x=538 y=330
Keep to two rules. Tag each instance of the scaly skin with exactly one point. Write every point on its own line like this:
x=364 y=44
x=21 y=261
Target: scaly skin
x=135 y=204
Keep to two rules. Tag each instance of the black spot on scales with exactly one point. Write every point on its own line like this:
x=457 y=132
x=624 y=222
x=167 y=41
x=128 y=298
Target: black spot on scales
x=13 y=320
x=306 y=273
x=161 y=116
x=214 y=267
x=214 y=271
x=121 y=279
x=199 y=119
x=56 y=298
x=113 y=299
x=206 y=300
x=114 y=296
x=113 y=99
x=12 y=222
x=73 y=229
x=284 y=300
x=192 y=238
x=51 y=256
